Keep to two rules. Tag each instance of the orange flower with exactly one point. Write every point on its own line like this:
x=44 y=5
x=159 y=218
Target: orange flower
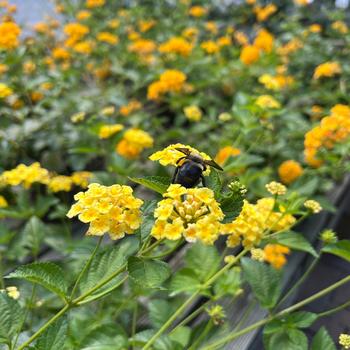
x=289 y=171
x=274 y=254
x=226 y=152
x=249 y=55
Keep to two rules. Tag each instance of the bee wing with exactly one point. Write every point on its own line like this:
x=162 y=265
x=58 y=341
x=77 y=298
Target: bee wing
x=184 y=151
x=213 y=164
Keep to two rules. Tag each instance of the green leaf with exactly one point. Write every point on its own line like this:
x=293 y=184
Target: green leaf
x=184 y=280
x=160 y=311
x=156 y=183
x=264 y=280
x=181 y=335
x=322 y=340
x=231 y=205
x=229 y=283
x=47 y=274
x=292 y=339
x=204 y=260
x=340 y=248
x=147 y=272
x=301 y=319
x=107 y=262
x=34 y=232
x=242 y=161
x=213 y=182
x=54 y=336
x=11 y=317
x=295 y=241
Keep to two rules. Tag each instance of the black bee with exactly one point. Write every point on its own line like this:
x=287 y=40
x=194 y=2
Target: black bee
x=190 y=172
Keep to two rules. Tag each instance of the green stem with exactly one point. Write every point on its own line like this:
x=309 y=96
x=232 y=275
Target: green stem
x=44 y=327
x=205 y=332
x=84 y=269
x=134 y=321
x=29 y=305
x=290 y=309
x=190 y=316
x=167 y=252
x=334 y=310
x=299 y=282
x=245 y=315
x=178 y=312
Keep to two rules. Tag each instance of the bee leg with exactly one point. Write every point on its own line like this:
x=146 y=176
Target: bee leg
x=174 y=176
x=203 y=181
x=180 y=159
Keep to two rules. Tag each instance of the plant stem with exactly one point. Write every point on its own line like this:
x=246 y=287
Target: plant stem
x=44 y=327
x=206 y=330
x=299 y=282
x=134 y=321
x=84 y=269
x=178 y=312
x=262 y=322
x=334 y=310
x=245 y=315
x=167 y=252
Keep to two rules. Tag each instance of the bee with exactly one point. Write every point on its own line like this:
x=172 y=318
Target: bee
x=190 y=172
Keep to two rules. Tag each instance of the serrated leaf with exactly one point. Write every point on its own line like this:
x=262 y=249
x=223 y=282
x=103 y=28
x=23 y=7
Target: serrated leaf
x=107 y=262
x=33 y=233
x=229 y=283
x=264 y=280
x=160 y=311
x=301 y=319
x=11 y=317
x=54 y=336
x=231 y=206
x=204 y=260
x=181 y=335
x=295 y=241
x=147 y=272
x=292 y=339
x=322 y=340
x=185 y=280
x=213 y=182
x=156 y=183
x=46 y=274
x=340 y=248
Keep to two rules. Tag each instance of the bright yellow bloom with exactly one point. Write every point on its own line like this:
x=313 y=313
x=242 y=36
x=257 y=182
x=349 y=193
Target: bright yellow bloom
x=25 y=175
x=60 y=183
x=331 y=130
x=3 y=68
x=78 y=117
x=289 y=171
x=190 y=33
x=169 y=155
x=276 y=82
x=83 y=47
x=94 y=3
x=29 y=67
x=171 y=80
x=211 y=27
x=176 y=45
x=5 y=91
x=108 y=38
x=267 y=101
x=145 y=26
x=344 y=340
x=275 y=255
x=263 y=13
x=81 y=178
x=276 y=188
x=241 y=38
x=313 y=205
x=133 y=143
x=224 y=41
x=193 y=113
x=142 y=47
x=131 y=107
x=315 y=28
x=110 y=209
x=290 y=47
x=340 y=26
x=327 y=69
x=75 y=32
x=108 y=110
x=3 y=202
x=197 y=11
x=9 y=33
x=107 y=131
x=192 y=213
x=249 y=54
x=225 y=153
x=114 y=23
x=210 y=47
x=82 y=15
x=301 y=2
x=264 y=40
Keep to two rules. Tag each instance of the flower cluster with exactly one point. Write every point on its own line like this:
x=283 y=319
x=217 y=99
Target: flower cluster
x=225 y=153
x=129 y=108
x=134 y=141
x=276 y=82
x=313 y=205
x=274 y=254
x=256 y=220
x=289 y=171
x=344 y=340
x=3 y=202
x=170 y=155
x=5 y=91
x=111 y=209
x=268 y=102
x=9 y=33
x=176 y=45
x=276 y=188
x=332 y=129
x=193 y=113
x=107 y=131
x=327 y=69
x=171 y=80
x=189 y=212
x=25 y=175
